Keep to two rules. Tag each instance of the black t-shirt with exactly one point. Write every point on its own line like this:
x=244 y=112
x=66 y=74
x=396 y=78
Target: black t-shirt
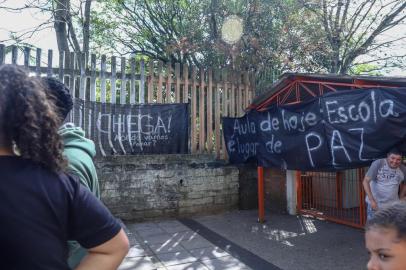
x=40 y=211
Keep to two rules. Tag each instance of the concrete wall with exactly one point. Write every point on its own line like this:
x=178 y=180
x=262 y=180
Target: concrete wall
x=157 y=186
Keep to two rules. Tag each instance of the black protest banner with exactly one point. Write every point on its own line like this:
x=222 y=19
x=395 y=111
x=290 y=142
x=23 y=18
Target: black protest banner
x=340 y=130
x=133 y=129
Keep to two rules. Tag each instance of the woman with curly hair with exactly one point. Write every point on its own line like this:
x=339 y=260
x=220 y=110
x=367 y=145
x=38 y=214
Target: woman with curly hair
x=41 y=207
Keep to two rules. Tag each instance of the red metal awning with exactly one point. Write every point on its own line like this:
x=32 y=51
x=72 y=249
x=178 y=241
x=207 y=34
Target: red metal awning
x=294 y=88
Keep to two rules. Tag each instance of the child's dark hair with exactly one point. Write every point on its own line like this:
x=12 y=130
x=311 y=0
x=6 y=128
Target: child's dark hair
x=28 y=119
x=59 y=93
x=390 y=217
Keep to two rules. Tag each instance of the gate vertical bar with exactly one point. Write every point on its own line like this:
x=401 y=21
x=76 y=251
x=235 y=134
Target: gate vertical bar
x=299 y=191
x=362 y=213
x=261 y=204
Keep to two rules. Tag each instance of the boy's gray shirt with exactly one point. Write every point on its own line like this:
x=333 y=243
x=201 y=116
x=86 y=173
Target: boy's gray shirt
x=384 y=182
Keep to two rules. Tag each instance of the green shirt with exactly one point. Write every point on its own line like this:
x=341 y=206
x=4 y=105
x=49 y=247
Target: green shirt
x=79 y=151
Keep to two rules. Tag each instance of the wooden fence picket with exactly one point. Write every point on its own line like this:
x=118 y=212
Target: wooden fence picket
x=38 y=62
x=150 y=96
x=113 y=90
x=211 y=95
x=233 y=98
x=2 y=54
x=141 y=91
x=177 y=87
x=193 y=110
x=103 y=93
x=93 y=77
x=49 y=64
x=132 y=80
x=168 y=83
x=217 y=116
x=224 y=110
x=14 y=54
x=71 y=73
x=246 y=91
x=123 y=86
x=160 y=80
x=82 y=78
x=186 y=83
x=202 y=119
x=27 y=52
x=210 y=111
x=61 y=65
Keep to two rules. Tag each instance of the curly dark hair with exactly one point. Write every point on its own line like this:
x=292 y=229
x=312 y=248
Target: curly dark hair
x=29 y=119
x=60 y=95
x=390 y=217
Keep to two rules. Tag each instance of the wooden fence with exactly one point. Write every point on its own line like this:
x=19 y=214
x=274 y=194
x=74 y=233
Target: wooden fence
x=211 y=94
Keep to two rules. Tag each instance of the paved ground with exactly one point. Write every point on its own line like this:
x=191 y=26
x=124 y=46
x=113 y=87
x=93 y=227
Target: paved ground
x=235 y=241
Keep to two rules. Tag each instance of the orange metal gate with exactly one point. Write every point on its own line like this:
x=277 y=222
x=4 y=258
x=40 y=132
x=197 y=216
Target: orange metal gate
x=335 y=196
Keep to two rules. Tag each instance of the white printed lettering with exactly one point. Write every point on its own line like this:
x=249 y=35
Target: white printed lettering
x=273 y=146
x=363 y=106
x=337 y=147
x=389 y=110
x=329 y=111
x=312 y=148
x=361 y=145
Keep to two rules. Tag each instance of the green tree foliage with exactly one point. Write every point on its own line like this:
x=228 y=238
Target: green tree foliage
x=365 y=69
x=190 y=31
x=284 y=35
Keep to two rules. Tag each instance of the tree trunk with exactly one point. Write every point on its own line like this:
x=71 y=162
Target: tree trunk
x=86 y=27
x=335 y=59
x=60 y=14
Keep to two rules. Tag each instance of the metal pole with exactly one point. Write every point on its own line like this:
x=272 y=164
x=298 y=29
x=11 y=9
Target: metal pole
x=261 y=205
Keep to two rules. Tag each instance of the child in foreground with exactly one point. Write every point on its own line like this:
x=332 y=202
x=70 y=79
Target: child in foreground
x=385 y=238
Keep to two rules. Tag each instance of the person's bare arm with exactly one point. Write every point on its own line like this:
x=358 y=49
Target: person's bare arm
x=403 y=192
x=106 y=256
x=367 y=188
